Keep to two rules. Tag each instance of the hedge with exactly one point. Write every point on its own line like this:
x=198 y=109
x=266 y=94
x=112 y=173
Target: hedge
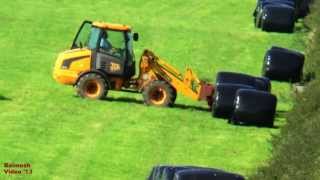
x=296 y=150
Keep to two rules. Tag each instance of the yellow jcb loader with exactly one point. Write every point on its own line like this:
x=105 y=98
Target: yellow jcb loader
x=101 y=58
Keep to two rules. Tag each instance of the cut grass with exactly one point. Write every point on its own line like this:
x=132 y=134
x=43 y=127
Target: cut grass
x=66 y=137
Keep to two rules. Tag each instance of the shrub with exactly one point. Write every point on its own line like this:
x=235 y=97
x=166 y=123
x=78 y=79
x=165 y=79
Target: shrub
x=296 y=150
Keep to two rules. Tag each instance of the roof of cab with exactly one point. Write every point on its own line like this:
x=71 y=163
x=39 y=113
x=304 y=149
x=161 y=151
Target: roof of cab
x=105 y=25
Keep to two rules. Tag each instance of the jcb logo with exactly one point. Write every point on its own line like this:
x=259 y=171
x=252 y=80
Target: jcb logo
x=114 y=67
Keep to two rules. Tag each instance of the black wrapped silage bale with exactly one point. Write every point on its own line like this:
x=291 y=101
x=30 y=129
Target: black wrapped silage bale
x=223 y=99
x=303 y=8
x=263 y=84
x=275 y=18
x=282 y=64
x=205 y=174
x=258 y=12
x=254 y=107
x=167 y=172
x=259 y=83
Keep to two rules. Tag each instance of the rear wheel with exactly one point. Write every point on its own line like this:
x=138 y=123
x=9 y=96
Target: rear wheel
x=92 y=86
x=174 y=97
x=159 y=93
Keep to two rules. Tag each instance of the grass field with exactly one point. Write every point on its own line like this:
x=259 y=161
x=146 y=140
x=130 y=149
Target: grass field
x=66 y=137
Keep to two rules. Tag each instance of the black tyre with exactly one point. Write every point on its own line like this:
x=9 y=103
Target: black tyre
x=174 y=97
x=92 y=86
x=282 y=64
x=259 y=83
x=159 y=93
x=254 y=107
x=223 y=99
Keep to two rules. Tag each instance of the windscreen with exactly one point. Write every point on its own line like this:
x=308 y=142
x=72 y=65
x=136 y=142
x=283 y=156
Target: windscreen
x=87 y=36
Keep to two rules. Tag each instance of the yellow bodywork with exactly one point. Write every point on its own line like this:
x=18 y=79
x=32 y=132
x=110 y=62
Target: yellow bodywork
x=80 y=61
x=188 y=85
x=111 y=26
x=151 y=68
x=81 y=58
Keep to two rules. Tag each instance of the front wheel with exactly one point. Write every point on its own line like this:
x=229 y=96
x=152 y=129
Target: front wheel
x=159 y=93
x=92 y=86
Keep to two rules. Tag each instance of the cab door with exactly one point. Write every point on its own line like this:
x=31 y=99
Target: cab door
x=110 y=55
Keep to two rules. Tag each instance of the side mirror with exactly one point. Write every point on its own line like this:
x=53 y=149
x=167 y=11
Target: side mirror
x=135 y=36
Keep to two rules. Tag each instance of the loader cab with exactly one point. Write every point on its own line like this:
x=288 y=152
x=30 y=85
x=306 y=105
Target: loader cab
x=111 y=47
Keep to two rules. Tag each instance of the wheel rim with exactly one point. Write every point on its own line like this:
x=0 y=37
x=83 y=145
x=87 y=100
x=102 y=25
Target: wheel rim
x=92 y=89
x=158 y=96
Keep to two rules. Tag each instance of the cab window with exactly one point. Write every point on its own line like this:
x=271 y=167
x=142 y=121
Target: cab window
x=82 y=36
x=113 y=43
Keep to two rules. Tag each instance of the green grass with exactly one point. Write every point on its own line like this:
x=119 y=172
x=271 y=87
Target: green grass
x=66 y=137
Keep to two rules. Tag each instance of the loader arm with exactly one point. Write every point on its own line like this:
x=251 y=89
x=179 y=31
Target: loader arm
x=187 y=84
